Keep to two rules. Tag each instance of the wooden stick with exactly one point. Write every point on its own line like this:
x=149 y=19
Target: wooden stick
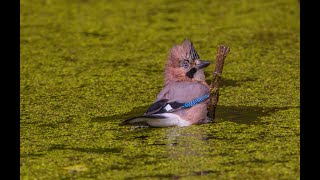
x=216 y=80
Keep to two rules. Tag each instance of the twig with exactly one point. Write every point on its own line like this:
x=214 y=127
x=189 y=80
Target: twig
x=216 y=80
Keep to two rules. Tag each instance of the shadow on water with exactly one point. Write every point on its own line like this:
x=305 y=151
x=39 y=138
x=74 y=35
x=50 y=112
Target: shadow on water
x=245 y=114
x=137 y=111
x=236 y=114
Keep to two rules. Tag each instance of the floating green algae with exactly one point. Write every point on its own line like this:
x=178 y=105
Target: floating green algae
x=86 y=65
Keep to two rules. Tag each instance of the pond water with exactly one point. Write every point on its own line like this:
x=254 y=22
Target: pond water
x=87 y=65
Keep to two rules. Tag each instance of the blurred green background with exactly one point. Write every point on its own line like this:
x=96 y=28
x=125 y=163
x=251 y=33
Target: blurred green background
x=86 y=65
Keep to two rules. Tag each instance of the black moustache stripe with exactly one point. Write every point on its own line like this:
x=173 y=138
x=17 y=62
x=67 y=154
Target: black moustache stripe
x=191 y=72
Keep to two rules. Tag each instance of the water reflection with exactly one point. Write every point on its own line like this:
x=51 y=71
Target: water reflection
x=186 y=151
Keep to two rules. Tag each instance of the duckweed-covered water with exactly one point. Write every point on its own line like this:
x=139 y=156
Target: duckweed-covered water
x=86 y=65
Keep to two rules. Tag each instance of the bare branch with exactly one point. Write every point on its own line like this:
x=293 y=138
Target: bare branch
x=216 y=80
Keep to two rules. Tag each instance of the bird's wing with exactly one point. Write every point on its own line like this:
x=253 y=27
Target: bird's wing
x=157 y=106
x=163 y=106
x=156 y=112
x=171 y=98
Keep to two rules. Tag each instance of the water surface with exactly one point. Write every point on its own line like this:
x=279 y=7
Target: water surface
x=87 y=65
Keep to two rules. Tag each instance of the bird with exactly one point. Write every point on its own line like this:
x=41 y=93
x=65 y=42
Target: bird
x=184 y=98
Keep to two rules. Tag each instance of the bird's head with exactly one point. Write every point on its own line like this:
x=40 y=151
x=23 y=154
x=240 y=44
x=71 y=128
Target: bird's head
x=184 y=64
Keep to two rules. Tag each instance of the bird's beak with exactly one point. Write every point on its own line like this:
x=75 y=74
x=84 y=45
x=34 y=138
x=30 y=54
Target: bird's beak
x=202 y=64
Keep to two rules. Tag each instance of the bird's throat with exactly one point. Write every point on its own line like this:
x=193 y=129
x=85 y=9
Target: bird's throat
x=191 y=73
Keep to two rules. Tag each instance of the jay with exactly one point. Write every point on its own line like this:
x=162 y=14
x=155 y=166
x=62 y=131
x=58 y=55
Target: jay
x=183 y=100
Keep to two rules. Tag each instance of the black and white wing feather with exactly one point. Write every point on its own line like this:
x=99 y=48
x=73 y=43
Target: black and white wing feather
x=154 y=112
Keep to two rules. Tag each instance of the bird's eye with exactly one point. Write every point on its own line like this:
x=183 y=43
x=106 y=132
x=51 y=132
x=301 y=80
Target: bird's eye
x=185 y=64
